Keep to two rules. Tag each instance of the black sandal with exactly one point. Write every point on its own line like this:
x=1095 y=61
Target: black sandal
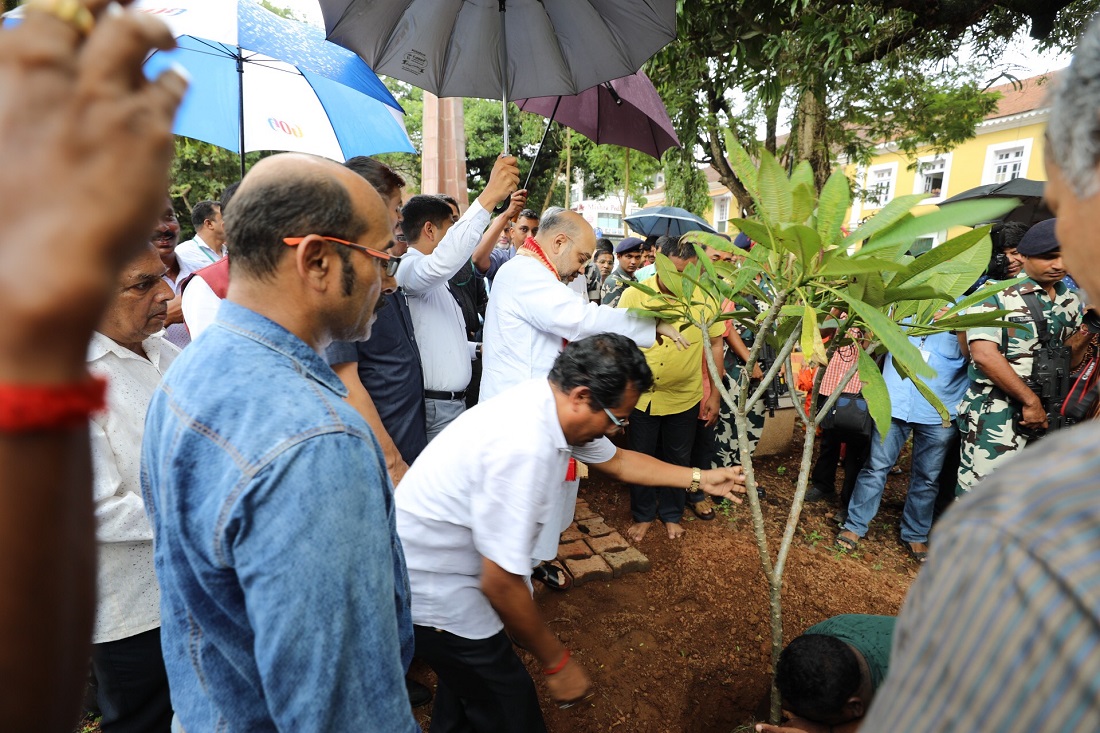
x=552 y=576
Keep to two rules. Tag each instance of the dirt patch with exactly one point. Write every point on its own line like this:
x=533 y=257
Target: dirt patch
x=685 y=647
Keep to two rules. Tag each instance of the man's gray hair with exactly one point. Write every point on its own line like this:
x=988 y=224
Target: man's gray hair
x=554 y=220
x=1073 y=133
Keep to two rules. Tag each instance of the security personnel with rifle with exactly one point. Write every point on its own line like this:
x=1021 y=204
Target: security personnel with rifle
x=1019 y=376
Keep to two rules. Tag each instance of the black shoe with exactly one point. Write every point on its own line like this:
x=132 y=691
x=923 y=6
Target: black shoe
x=817 y=494
x=418 y=693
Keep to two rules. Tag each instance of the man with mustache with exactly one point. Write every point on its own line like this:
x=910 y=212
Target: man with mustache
x=165 y=238
x=129 y=350
x=1001 y=409
x=284 y=590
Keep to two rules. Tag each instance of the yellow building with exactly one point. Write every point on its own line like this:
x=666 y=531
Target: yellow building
x=1008 y=144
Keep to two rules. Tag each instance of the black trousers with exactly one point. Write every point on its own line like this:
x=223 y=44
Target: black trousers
x=823 y=475
x=704 y=454
x=671 y=439
x=482 y=687
x=133 y=685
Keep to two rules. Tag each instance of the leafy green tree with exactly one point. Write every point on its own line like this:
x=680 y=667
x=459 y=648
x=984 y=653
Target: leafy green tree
x=611 y=170
x=805 y=275
x=855 y=74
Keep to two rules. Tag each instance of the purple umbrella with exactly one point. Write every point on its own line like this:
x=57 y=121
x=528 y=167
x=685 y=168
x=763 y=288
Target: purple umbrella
x=626 y=112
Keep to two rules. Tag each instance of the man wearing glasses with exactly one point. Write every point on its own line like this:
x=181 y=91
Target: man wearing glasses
x=469 y=516
x=264 y=487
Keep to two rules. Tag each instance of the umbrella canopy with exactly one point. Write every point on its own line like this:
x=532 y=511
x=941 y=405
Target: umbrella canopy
x=667 y=221
x=262 y=82
x=626 y=112
x=1020 y=188
x=451 y=47
x=1032 y=208
x=271 y=105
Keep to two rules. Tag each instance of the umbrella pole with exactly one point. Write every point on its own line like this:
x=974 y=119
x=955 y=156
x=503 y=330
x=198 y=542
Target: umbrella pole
x=504 y=75
x=538 y=152
x=240 y=103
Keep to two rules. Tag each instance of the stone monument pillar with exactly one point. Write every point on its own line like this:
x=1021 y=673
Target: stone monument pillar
x=443 y=161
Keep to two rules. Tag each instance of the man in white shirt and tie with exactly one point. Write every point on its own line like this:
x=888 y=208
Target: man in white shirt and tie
x=438 y=248
x=208 y=246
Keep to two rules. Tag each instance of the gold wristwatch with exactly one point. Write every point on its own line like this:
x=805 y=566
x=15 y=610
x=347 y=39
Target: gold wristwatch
x=696 y=479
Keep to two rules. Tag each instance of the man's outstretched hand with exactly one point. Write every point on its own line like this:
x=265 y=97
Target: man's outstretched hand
x=666 y=330
x=724 y=482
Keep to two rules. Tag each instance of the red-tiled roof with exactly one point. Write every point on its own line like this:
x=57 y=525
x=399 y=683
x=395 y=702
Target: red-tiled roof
x=1022 y=96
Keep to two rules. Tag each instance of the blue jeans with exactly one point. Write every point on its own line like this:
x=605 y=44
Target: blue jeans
x=930 y=444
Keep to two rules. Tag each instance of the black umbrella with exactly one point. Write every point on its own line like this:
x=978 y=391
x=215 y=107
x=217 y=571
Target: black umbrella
x=1032 y=208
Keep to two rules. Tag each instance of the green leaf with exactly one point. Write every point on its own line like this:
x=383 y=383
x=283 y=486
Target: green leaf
x=813 y=347
x=886 y=217
x=754 y=230
x=668 y=274
x=706 y=263
x=845 y=265
x=776 y=203
x=804 y=243
x=987 y=290
x=802 y=203
x=916 y=292
x=949 y=251
x=836 y=198
x=803 y=175
x=963 y=213
x=889 y=333
x=743 y=167
x=644 y=288
x=875 y=392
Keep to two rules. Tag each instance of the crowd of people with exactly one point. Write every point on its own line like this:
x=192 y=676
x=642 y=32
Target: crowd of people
x=337 y=461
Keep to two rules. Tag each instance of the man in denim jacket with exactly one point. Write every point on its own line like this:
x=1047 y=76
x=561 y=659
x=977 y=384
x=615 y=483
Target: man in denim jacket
x=284 y=599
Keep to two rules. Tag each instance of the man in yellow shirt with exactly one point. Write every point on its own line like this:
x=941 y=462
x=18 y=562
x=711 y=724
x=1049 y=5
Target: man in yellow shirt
x=663 y=422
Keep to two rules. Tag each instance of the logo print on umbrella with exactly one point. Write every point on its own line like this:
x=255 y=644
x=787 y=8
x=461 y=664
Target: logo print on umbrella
x=415 y=62
x=286 y=127
x=162 y=11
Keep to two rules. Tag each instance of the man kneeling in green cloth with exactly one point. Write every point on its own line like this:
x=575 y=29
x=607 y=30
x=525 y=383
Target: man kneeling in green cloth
x=828 y=676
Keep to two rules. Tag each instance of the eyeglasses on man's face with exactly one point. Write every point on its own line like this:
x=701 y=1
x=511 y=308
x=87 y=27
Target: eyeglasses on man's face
x=391 y=261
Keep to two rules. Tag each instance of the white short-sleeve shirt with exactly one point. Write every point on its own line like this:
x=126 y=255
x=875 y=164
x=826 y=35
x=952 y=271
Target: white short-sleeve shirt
x=484 y=488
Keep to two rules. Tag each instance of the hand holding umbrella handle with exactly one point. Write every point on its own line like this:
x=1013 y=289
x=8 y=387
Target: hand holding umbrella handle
x=503 y=180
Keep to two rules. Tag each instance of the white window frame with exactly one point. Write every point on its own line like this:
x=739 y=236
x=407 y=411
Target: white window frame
x=918 y=176
x=989 y=174
x=892 y=189
x=722 y=205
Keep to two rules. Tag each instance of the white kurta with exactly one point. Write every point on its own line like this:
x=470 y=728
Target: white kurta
x=484 y=488
x=530 y=313
x=128 y=598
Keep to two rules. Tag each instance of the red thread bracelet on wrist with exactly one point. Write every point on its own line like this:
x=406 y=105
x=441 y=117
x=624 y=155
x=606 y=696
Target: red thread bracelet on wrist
x=559 y=666
x=28 y=408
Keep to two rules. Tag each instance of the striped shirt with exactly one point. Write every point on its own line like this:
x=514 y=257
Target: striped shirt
x=1001 y=631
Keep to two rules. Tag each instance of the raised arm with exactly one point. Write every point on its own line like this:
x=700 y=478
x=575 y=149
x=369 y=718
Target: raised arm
x=482 y=256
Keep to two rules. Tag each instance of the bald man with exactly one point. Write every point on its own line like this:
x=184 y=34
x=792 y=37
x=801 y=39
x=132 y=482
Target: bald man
x=532 y=314
x=284 y=592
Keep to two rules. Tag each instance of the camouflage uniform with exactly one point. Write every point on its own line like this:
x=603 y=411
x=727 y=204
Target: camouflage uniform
x=727 y=448
x=614 y=286
x=986 y=416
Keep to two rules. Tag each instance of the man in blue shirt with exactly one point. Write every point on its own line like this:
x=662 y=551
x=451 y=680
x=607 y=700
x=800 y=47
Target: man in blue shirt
x=911 y=413
x=285 y=601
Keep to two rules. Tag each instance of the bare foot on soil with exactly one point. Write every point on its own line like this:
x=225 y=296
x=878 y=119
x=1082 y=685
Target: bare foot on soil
x=637 y=531
x=675 y=531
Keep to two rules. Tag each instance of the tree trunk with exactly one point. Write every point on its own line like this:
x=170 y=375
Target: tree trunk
x=810 y=134
x=553 y=183
x=568 y=165
x=726 y=175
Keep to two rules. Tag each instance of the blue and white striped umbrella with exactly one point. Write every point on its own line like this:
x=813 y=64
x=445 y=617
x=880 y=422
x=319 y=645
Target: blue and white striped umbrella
x=262 y=82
